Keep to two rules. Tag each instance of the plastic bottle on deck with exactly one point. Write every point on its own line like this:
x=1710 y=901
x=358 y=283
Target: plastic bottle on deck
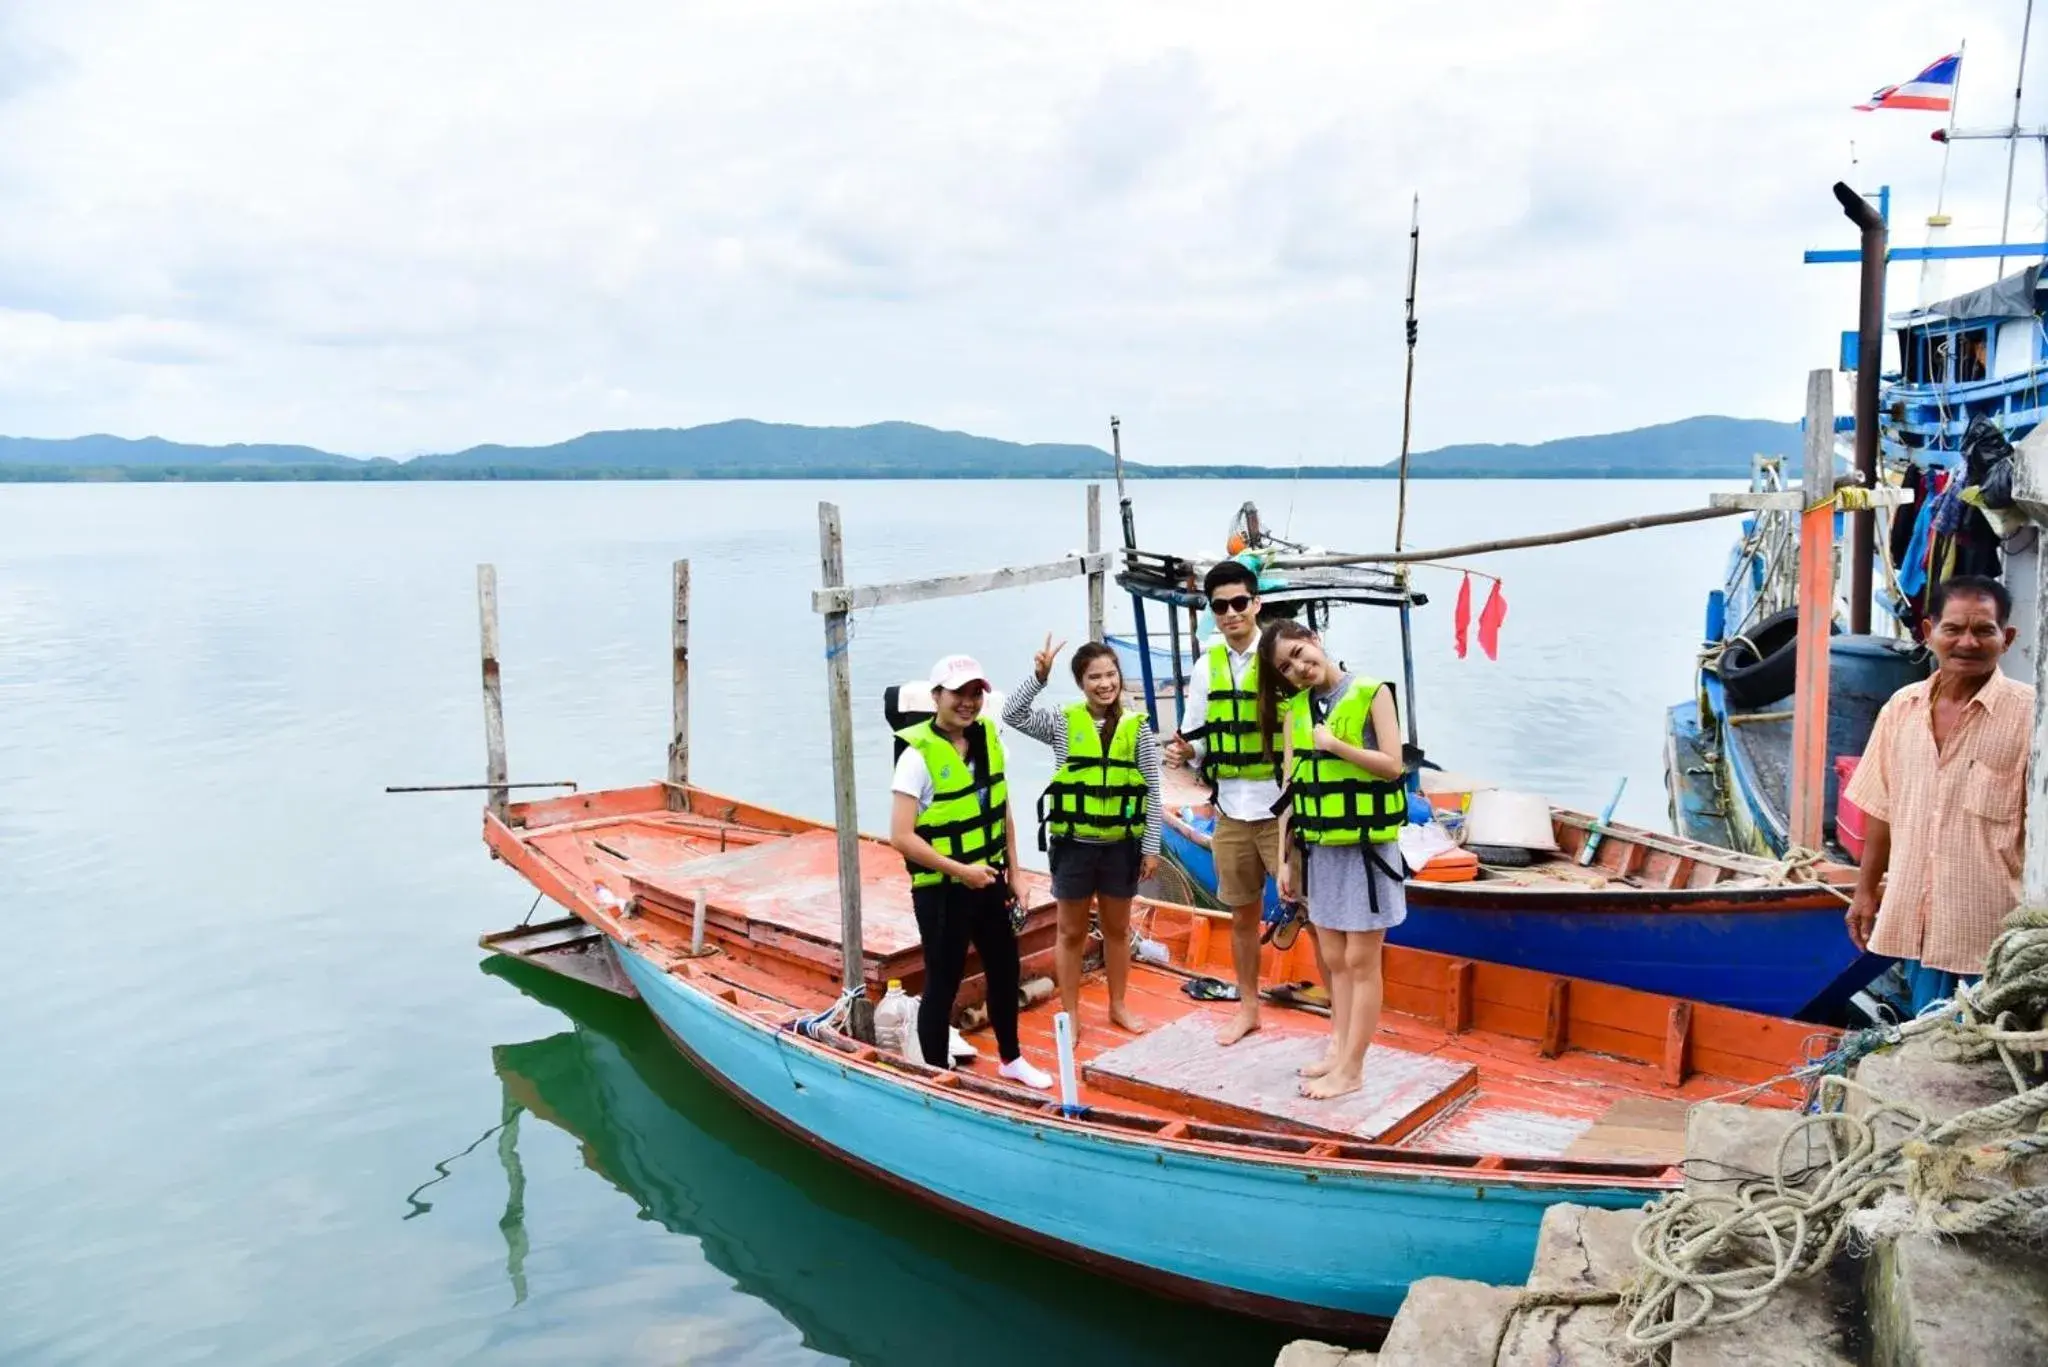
x=895 y=1019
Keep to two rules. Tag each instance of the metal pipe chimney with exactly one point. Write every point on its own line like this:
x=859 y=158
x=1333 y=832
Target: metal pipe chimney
x=1869 y=360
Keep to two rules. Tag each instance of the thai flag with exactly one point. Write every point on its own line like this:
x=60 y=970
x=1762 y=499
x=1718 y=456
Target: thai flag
x=1934 y=88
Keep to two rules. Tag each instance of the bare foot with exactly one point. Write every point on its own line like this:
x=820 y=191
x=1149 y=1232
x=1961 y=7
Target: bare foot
x=1242 y=1024
x=1319 y=1067
x=1331 y=1084
x=1120 y=1016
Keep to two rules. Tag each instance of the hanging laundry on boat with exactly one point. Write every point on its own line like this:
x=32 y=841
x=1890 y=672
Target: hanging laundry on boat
x=1461 y=620
x=1933 y=89
x=1490 y=619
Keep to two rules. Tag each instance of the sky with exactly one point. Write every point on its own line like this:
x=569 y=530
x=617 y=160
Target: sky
x=387 y=228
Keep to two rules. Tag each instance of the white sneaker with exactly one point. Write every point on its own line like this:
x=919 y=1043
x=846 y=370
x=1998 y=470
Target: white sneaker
x=960 y=1049
x=1020 y=1069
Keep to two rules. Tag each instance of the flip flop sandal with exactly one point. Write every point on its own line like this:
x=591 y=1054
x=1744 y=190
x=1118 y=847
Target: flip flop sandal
x=1209 y=990
x=1283 y=935
x=1303 y=994
x=1299 y=994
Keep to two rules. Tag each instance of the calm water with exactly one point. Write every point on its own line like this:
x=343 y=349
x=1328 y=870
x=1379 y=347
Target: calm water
x=244 y=1008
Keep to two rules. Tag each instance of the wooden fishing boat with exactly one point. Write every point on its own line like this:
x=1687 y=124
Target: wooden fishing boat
x=773 y=1216
x=1492 y=1091
x=1657 y=912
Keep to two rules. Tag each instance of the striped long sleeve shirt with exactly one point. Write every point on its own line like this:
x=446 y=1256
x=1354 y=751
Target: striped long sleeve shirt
x=1050 y=726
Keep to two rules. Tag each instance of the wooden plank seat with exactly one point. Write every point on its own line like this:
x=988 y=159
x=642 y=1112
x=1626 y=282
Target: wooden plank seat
x=1254 y=1083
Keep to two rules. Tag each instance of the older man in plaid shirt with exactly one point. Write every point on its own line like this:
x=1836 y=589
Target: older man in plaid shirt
x=1944 y=783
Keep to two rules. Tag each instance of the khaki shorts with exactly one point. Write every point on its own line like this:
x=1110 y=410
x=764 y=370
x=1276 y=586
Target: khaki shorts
x=1246 y=852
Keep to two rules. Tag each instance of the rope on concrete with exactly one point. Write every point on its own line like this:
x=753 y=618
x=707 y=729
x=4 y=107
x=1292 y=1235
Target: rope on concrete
x=1712 y=1259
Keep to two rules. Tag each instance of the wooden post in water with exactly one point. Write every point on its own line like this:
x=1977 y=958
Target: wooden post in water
x=845 y=808
x=1816 y=616
x=1095 y=577
x=679 y=680
x=494 y=700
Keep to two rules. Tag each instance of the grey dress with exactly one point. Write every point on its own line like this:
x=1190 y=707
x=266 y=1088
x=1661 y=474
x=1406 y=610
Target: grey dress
x=1347 y=887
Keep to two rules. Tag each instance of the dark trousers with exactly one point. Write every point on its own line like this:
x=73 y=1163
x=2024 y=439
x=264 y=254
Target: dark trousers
x=950 y=917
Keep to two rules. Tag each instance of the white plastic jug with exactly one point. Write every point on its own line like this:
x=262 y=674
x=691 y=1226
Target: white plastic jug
x=896 y=1023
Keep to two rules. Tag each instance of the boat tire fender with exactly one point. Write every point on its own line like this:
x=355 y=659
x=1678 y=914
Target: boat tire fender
x=1761 y=666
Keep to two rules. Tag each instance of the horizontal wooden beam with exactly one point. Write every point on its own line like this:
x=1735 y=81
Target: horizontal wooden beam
x=854 y=598
x=1794 y=500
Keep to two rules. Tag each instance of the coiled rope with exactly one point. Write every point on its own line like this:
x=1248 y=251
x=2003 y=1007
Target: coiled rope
x=1710 y=1260
x=1802 y=866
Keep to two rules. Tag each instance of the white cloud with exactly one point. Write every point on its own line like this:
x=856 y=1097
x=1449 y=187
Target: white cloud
x=389 y=227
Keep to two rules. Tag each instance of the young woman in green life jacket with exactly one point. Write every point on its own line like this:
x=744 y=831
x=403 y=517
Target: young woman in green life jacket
x=1342 y=759
x=1101 y=812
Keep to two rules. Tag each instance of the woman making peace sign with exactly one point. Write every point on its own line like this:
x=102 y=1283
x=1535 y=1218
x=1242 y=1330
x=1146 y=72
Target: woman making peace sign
x=1101 y=811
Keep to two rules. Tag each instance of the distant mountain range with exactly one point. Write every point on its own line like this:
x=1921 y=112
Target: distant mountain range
x=1693 y=448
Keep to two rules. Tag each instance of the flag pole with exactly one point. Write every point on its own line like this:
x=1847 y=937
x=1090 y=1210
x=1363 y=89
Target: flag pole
x=1955 y=97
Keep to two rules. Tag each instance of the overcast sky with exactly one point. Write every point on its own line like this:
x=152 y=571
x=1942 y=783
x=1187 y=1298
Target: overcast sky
x=390 y=227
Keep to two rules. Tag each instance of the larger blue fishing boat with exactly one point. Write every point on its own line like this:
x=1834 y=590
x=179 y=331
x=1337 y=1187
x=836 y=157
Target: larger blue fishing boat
x=1649 y=910
x=1942 y=391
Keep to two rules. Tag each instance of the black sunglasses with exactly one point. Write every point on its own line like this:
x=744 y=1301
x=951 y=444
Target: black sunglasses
x=1220 y=606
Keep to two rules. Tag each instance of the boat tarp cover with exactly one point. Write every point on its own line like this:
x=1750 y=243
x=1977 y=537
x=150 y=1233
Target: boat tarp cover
x=2012 y=297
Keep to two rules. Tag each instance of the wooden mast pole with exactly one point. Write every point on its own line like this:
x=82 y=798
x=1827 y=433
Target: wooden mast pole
x=845 y=807
x=1816 y=616
x=1401 y=496
x=679 y=679
x=494 y=699
x=1116 y=446
x=1095 y=577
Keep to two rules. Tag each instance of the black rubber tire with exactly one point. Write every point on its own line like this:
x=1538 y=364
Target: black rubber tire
x=1503 y=856
x=1761 y=666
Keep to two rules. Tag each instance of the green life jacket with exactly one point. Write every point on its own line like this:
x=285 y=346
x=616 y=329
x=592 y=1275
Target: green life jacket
x=1096 y=795
x=1336 y=802
x=1230 y=728
x=965 y=820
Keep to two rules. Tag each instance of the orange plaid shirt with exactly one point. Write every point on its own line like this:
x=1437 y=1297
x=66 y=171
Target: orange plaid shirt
x=1957 y=820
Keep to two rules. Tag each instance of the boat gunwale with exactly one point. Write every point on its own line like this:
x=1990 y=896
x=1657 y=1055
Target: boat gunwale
x=514 y=844
x=1291 y=1153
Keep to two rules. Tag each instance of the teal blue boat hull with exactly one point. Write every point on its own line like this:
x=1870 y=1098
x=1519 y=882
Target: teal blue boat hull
x=1330 y=1247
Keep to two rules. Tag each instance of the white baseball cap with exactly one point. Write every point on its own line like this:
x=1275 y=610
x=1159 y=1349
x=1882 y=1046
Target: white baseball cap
x=957 y=671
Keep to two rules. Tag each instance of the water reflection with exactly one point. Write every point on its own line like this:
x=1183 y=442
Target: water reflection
x=861 y=1272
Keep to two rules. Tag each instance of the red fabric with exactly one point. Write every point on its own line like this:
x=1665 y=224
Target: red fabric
x=1490 y=617
x=1461 y=620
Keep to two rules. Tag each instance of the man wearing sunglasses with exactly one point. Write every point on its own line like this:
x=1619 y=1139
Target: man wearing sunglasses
x=1219 y=732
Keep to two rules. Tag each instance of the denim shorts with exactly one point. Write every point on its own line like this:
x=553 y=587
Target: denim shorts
x=1082 y=869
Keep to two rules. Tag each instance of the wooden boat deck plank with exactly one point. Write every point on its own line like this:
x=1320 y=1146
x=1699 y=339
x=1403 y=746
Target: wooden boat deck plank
x=1258 y=1076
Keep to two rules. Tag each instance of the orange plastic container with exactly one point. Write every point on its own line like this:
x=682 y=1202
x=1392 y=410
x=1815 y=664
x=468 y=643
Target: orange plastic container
x=1452 y=866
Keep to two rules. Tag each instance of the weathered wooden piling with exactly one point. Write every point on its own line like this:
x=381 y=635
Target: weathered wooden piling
x=495 y=772
x=679 y=679
x=845 y=802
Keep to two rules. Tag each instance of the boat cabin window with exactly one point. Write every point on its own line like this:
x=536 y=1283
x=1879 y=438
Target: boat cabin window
x=1912 y=356
x=1939 y=347
x=1972 y=355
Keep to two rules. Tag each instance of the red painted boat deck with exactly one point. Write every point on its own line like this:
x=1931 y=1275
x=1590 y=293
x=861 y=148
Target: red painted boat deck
x=1474 y=1063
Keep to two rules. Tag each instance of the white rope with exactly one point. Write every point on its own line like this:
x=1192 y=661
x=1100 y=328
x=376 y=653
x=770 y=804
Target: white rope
x=1801 y=866
x=1712 y=1259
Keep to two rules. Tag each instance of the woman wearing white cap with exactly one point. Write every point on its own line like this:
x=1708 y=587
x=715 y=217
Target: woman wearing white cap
x=951 y=823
